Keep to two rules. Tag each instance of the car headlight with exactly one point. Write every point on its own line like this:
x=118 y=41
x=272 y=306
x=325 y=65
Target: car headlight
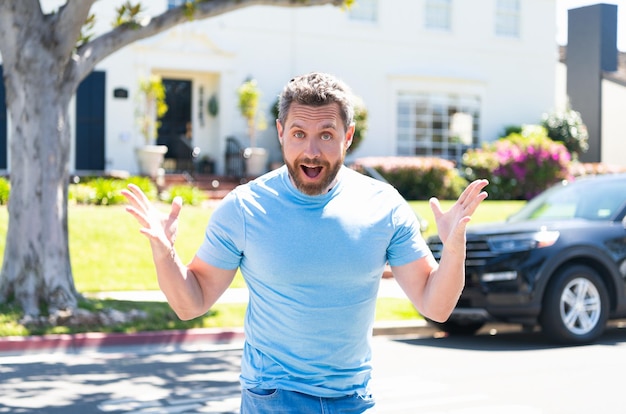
x=521 y=242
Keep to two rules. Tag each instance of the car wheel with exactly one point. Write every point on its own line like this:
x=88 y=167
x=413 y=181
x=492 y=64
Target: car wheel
x=453 y=327
x=575 y=307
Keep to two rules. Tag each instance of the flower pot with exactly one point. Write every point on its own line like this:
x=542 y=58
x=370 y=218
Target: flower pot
x=256 y=161
x=150 y=158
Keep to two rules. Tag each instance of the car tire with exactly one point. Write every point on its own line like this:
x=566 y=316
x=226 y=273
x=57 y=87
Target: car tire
x=575 y=307
x=457 y=328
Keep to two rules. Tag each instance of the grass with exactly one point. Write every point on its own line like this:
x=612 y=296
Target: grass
x=109 y=254
x=488 y=211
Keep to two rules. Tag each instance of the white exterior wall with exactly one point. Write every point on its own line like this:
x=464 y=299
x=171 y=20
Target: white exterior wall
x=514 y=78
x=613 y=148
x=562 y=99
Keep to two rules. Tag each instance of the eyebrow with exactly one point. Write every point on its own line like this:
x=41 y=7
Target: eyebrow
x=329 y=125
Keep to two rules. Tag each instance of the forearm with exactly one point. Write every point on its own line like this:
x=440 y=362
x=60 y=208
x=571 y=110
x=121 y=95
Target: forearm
x=179 y=284
x=445 y=284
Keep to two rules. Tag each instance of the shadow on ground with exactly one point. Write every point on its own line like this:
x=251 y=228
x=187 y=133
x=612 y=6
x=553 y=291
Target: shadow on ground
x=121 y=383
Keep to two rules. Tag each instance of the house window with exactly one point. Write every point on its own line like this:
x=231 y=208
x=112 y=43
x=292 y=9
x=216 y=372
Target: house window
x=438 y=15
x=437 y=124
x=175 y=3
x=508 y=18
x=364 y=11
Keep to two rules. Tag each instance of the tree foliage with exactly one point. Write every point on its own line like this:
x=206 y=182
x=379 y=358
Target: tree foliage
x=567 y=127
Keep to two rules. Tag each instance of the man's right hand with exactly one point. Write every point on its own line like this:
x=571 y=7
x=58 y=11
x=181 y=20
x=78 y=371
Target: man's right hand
x=160 y=228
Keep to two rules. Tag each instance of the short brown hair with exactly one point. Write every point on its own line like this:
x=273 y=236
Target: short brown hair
x=317 y=89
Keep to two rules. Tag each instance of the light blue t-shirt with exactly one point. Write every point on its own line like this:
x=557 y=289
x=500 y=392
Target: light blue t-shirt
x=313 y=266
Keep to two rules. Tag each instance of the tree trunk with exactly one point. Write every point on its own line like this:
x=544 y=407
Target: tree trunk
x=36 y=267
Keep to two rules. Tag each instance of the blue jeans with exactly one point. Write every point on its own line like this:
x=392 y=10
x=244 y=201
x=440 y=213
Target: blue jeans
x=261 y=401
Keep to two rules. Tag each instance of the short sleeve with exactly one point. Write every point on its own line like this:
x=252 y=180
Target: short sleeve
x=224 y=237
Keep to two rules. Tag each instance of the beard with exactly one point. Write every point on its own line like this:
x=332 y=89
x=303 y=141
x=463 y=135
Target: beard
x=322 y=185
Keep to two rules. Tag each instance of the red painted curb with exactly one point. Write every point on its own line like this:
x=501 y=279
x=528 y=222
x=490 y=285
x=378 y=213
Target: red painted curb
x=19 y=344
x=74 y=342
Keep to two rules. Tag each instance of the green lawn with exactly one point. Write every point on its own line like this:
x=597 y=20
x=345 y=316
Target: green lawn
x=108 y=253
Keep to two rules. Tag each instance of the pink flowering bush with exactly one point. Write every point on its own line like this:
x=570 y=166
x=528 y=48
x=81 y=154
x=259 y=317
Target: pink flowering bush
x=520 y=165
x=417 y=178
x=580 y=169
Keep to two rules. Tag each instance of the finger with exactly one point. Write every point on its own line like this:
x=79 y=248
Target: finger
x=478 y=199
x=130 y=197
x=473 y=190
x=459 y=229
x=139 y=196
x=435 y=206
x=476 y=187
x=139 y=216
x=177 y=205
x=149 y=233
x=471 y=205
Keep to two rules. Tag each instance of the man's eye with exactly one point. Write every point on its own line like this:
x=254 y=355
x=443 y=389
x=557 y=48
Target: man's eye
x=299 y=134
x=326 y=137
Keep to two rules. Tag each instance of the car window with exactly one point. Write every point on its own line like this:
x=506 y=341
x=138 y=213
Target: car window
x=555 y=203
x=586 y=200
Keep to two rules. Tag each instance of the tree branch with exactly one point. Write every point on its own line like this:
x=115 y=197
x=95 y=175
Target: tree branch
x=69 y=22
x=93 y=52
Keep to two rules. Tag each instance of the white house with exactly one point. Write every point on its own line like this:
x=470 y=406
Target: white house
x=421 y=67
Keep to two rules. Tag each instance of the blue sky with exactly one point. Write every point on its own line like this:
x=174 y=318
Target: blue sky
x=561 y=14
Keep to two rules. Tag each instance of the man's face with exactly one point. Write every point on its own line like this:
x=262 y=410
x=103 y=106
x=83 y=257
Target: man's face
x=314 y=141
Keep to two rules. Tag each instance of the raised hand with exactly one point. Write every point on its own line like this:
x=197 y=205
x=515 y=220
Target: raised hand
x=160 y=228
x=451 y=224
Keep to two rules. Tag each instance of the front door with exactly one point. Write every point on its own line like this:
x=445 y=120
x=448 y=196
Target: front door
x=176 y=125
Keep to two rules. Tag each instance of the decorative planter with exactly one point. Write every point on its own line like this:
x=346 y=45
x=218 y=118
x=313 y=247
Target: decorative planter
x=150 y=158
x=256 y=161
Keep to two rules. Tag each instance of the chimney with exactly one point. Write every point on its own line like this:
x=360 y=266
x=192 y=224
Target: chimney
x=591 y=50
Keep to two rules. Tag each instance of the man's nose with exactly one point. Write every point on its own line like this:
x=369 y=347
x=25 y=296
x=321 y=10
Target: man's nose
x=312 y=148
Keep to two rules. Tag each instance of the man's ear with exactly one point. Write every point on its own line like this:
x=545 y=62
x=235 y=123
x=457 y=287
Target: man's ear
x=350 y=134
x=279 y=128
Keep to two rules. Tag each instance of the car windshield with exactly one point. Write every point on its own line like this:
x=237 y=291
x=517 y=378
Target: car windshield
x=586 y=199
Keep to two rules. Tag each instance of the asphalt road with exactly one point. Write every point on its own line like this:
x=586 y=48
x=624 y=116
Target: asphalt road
x=499 y=371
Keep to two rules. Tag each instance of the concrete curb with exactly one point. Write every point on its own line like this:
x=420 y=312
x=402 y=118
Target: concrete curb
x=73 y=343
x=99 y=340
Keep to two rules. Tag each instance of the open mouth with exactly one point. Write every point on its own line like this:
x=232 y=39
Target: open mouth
x=311 y=172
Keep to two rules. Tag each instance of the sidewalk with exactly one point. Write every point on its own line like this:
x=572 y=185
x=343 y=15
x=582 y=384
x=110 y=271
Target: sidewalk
x=389 y=288
x=215 y=336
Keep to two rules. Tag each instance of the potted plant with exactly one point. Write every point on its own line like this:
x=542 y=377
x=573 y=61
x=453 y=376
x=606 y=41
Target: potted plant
x=249 y=96
x=151 y=107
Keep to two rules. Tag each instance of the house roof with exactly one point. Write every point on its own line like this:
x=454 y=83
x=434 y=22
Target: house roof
x=619 y=76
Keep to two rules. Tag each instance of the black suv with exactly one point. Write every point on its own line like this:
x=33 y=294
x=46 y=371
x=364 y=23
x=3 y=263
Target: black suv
x=559 y=263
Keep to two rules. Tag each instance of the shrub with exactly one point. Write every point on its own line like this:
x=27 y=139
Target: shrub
x=107 y=191
x=5 y=190
x=519 y=166
x=191 y=195
x=145 y=184
x=417 y=178
x=567 y=127
x=82 y=194
x=360 y=121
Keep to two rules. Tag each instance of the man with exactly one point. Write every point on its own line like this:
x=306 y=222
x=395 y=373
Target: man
x=311 y=239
